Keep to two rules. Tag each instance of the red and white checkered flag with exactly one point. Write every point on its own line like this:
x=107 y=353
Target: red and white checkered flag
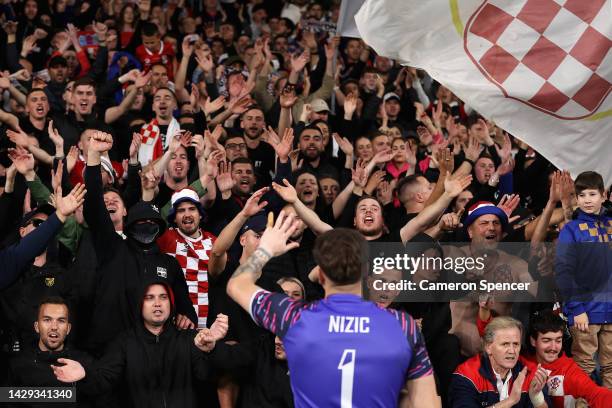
x=541 y=69
x=151 y=147
x=149 y=132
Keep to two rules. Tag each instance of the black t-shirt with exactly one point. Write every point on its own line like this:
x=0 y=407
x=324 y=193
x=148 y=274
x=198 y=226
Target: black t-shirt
x=41 y=135
x=263 y=158
x=391 y=236
x=44 y=173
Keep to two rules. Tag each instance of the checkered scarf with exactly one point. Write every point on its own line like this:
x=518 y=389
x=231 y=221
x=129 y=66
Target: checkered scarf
x=153 y=142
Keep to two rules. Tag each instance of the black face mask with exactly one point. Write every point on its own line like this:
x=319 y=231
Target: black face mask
x=144 y=233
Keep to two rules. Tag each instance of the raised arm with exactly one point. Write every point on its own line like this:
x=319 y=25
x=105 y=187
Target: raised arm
x=446 y=164
x=21 y=139
x=287 y=100
x=161 y=164
x=539 y=233
x=310 y=218
x=115 y=112
x=241 y=286
x=218 y=253
x=94 y=210
x=14 y=258
x=181 y=72
x=452 y=188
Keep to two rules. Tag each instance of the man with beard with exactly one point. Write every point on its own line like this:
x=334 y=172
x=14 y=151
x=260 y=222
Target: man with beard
x=32 y=367
x=235 y=192
x=243 y=175
x=191 y=246
x=485 y=224
x=235 y=184
x=310 y=144
x=261 y=154
x=154 y=363
x=124 y=264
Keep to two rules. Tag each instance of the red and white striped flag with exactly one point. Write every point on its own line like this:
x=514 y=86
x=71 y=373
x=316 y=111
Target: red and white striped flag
x=541 y=69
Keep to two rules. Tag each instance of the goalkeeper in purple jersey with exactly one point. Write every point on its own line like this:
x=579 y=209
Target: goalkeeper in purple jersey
x=342 y=351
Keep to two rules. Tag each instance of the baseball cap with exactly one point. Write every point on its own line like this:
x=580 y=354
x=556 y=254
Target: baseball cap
x=390 y=95
x=57 y=61
x=184 y=195
x=256 y=223
x=481 y=208
x=41 y=209
x=319 y=105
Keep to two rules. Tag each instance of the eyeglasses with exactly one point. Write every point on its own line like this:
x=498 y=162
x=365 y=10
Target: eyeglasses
x=235 y=146
x=35 y=222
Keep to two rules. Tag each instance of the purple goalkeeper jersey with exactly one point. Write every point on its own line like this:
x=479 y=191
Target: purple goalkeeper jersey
x=343 y=351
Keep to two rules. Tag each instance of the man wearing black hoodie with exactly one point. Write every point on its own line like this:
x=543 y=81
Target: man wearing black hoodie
x=155 y=362
x=123 y=264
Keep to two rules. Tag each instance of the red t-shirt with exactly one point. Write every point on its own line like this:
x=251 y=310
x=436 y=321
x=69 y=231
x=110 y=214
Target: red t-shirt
x=165 y=55
x=76 y=174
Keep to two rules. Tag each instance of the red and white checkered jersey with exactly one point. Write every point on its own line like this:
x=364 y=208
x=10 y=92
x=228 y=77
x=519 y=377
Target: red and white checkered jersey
x=525 y=48
x=192 y=254
x=567 y=382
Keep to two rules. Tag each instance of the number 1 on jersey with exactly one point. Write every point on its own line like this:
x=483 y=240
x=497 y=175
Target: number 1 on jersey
x=347 y=366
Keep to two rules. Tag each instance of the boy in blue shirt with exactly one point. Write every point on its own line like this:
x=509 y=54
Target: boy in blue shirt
x=583 y=270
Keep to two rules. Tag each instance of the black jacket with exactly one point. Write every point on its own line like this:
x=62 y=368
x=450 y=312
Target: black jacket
x=32 y=368
x=19 y=302
x=157 y=370
x=122 y=268
x=266 y=383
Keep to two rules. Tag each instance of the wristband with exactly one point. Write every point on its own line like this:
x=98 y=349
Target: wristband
x=470 y=161
x=537 y=399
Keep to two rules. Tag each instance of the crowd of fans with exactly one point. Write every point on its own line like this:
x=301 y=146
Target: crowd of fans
x=177 y=126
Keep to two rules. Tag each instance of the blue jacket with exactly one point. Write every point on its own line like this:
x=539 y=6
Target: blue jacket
x=474 y=384
x=583 y=267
